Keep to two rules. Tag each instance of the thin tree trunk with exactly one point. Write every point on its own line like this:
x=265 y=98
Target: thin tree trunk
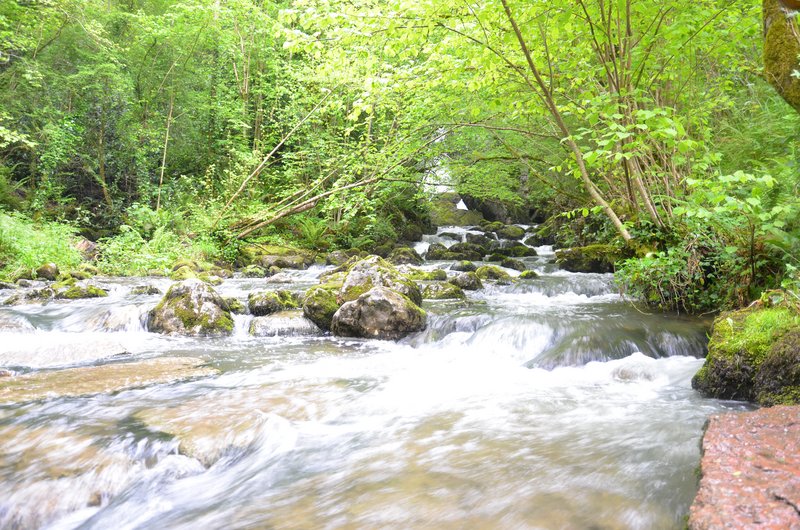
x=164 y=153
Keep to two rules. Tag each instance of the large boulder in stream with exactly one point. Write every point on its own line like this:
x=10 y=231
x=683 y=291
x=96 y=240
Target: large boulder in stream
x=377 y=272
x=191 y=307
x=468 y=281
x=380 y=313
x=750 y=471
x=264 y=303
x=753 y=355
x=320 y=304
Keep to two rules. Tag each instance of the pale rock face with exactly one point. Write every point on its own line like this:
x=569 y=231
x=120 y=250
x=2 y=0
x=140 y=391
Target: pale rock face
x=193 y=308
x=380 y=313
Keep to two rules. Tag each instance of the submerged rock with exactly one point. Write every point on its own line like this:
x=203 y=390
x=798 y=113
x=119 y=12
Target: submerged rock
x=592 y=258
x=267 y=302
x=750 y=471
x=100 y=379
x=54 y=350
x=191 y=307
x=380 y=313
x=284 y=324
x=753 y=355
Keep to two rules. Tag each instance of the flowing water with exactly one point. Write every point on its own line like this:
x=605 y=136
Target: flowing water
x=549 y=403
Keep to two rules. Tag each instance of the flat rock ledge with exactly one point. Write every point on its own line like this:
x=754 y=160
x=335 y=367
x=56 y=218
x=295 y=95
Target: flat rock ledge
x=107 y=378
x=750 y=471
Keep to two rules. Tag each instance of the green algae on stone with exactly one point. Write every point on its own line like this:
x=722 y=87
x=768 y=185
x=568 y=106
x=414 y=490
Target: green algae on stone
x=491 y=272
x=751 y=356
x=591 y=258
x=77 y=292
x=781 y=51
x=443 y=291
x=191 y=307
x=528 y=275
x=266 y=302
x=319 y=306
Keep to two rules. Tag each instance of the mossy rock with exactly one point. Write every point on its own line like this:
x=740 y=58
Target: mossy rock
x=254 y=271
x=184 y=272
x=40 y=296
x=47 y=271
x=445 y=213
x=405 y=256
x=464 y=266
x=482 y=240
x=592 y=258
x=267 y=302
x=64 y=282
x=443 y=291
x=210 y=279
x=372 y=272
x=781 y=49
x=149 y=290
x=191 y=307
x=185 y=262
x=340 y=257
x=515 y=251
x=468 y=281
x=273 y=255
x=510 y=232
x=419 y=275
x=437 y=251
x=451 y=236
x=467 y=251
x=491 y=272
x=528 y=275
x=77 y=292
x=492 y=226
x=495 y=257
x=752 y=356
x=319 y=306
x=234 y=305
x=511 y=263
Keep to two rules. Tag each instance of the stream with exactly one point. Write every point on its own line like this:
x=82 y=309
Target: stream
x=548 y=403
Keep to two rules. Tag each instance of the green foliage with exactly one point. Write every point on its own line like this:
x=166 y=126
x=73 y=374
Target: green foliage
x=25 y=244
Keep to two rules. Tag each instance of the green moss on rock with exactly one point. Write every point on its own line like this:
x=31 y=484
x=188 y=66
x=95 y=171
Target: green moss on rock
x=490 y=272
x=591 y=258
x=267 y=302
x=77 y=292
x=753 y=355
x=443 y=291
x=781 y=50
x=319 y=306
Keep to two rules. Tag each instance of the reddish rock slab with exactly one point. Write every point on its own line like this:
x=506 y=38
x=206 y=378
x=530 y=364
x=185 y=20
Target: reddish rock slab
x=750 y=471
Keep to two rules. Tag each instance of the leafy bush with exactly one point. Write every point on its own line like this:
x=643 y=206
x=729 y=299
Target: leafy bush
x=25 y=245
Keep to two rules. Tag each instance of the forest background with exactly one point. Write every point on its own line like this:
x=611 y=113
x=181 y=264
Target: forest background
x=170 y=129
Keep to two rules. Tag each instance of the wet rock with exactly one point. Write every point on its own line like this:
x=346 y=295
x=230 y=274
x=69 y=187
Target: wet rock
x=511 y=263
x=81 y=291
x=490 y=272
x=419 y=275
x=405 y=256
x=254 y=271
x=284 y=324
x=380 y=313
x=183 y=273
x=6 y=373
x=443 y=291
x=235 y=305
x=58 y=349
x=464 y=266
x=272 y=255
x=753 y=355
x=468 y=281
x=466 y=251
x=280 y=277
x=24 y=283
x=437 y=251
x=34 y=296
x=191 y=307
x=48 y=271
x=24 y=275
x=107 y=378
x=750 y=471
x=145 y=290
x=451 y=236
x=6 y=286
x=445 y=212
x=592 y=258
x=15 y=324
x=319 y=306
x=211 y=279
x=528 y=275
x=376 y=272
x=510 y=232
x=479 y=239
x=514 y=251
x=267 y=302
x=340 y=257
